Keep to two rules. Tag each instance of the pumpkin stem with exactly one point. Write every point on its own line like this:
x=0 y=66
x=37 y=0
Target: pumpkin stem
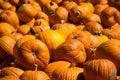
x=72 y=65
x=110 y=27
x=41 y=28
x=99 y=33
x=62 y=21
x=75 y=36
x=110 y=36
x=93 y=50
x=78 y=13
x=35 y=67
x=51 y=3
x=32 y=30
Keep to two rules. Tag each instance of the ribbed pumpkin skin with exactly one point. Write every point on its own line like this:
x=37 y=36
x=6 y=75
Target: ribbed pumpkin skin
x=6 y=47
x=71 y=50
x=17 y=72
x=6 y=28
x=49 y=69
x=109 y=50
x=68 y=73
x=10 y=77
x=101 y=69
x=31 y=52
x=34 y=75
x=52 y=39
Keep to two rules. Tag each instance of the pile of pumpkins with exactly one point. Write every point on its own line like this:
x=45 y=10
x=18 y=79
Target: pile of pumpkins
x=59 y=39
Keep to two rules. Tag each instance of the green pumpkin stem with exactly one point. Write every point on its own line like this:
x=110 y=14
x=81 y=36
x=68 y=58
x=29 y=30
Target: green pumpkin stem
x=99 y=33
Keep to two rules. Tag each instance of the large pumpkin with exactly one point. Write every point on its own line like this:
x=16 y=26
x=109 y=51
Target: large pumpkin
x=71 y=50
x=32 y=52
x=109 y=50
x=101 y=69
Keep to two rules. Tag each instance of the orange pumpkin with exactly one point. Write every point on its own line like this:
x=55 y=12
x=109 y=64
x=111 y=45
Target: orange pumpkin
x=6 y=28
x=14 y=71
x=32 y=52
x=61 y=13
x=34 y=74
x=10 y=17
x=6 y=47
x=26 y=12
x=68 y=73
x=52 y=39
x=100 y=69
x=71 y=50
x=109 y=50
x=10 y=77
x=49 y=69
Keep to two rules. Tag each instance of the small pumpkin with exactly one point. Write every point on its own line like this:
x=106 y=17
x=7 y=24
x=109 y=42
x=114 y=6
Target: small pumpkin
x=109 y=16
x=10 y=17
x=26 y=12
x=5 y=5
x=71 y=50
x=93 y=27
x=34 y=75
x=61 y=13
x=6 y=28
x=32 y=52
x=100 y=69
x=49 y=7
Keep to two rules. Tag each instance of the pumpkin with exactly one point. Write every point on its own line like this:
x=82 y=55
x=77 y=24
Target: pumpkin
x=42 y=15
x=61 y=13
x=68 y=4
x=83 y=36
x=6 y=28
x=23 y=29
x=6 y=47
x=34 y=75
x=96 y=40
x=78 y=12
x=95 y=2
x=26 y=12
x=52 y=39
x=49 y=7
x=93 y=27
x=42 y=2
x=64 y=25
x=71 y=50
x=10 y=17
x=10 y=77
x=68 y=73
x=91 y=17
x=100 y=69
x=32 y=52
x=99 y=8
x=109 y=50
x=112 y=31
x=20 y=41
x=109 y=16
x=5 y=5
x=14 y=71
x=49 y=69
